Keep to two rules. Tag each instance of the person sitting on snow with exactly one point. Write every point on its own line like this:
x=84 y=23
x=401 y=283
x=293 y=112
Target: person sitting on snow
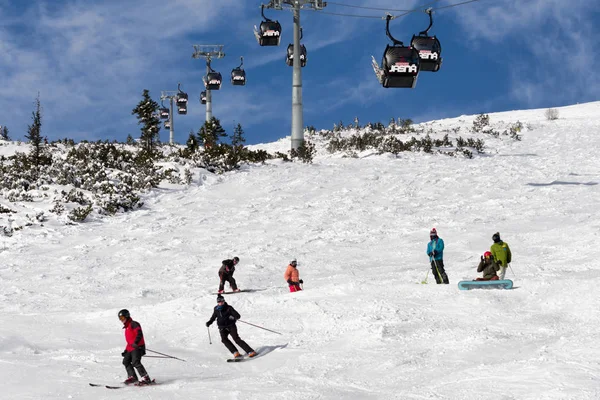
x=488 y=266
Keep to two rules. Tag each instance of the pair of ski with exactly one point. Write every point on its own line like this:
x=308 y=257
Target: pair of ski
x=122 y=385
x=240 y=359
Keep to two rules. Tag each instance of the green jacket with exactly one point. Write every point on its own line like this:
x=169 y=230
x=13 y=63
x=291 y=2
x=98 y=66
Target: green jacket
x=501 y=253
x=488 y=268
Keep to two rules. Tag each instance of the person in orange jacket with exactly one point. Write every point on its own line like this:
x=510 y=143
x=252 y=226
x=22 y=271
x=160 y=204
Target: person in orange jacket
x=292 y=276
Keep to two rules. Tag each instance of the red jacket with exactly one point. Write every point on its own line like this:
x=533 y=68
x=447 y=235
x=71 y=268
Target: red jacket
x=133 y=334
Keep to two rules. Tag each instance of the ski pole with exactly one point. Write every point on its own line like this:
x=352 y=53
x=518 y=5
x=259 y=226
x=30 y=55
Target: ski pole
x=511 y=270
x=208 y=329
x=259 y=327
x=426 y=276
x=162 y=354
x=157 y=357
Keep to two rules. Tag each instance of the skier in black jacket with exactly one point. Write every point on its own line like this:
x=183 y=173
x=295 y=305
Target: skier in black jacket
x=226 y=274
x=226 y=317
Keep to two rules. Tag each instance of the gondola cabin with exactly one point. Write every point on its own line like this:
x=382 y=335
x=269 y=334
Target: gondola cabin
x=164 y=113
x=182 y=100
x=400 y=67
x=212 y=81
x=238 y=77
x=269 y=33
x=203 y=97
x=289 y=58
x=167 y=124
x=430 y=52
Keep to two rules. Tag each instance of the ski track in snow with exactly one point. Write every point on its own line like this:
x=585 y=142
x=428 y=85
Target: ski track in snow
x=364 y=327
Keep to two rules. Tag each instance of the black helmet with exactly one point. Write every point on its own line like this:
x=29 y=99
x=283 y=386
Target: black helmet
x=236 y=259
x=496 y=237
x=220 y=298
x=124 y=313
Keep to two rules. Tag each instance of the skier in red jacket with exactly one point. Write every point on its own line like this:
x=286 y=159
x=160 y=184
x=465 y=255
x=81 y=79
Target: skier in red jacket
x=136 y=348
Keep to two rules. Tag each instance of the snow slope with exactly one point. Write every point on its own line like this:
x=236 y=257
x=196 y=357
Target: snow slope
x=364 y=327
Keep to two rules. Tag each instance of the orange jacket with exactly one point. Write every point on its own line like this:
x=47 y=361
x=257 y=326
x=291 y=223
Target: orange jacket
x=292 y=274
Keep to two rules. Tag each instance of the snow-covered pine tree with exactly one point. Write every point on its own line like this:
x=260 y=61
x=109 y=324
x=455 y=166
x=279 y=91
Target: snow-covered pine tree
x=34 y=135
x=4 y=133
x=211 y=133
x=147 y=115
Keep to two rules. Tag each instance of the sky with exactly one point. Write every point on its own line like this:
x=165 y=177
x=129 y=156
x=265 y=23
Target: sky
x=364 y=327
x=90 y=62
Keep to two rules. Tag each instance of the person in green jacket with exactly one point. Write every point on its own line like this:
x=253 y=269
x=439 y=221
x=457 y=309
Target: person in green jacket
x=501 y=253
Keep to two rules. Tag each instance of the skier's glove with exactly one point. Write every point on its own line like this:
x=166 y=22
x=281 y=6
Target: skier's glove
x=207 y=324
x=231 y=317
x=135 y=346
x=124 y=353
x=435 y=253
x=301 y=281
x=290 y=282
x=429 y=254
x=481 y=258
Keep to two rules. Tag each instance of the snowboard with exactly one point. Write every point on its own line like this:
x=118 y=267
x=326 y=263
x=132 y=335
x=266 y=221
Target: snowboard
x=500 y=284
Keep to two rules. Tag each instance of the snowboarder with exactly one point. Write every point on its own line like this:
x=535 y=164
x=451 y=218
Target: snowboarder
x=488 y=266
x=292 y=276
x=435 y=251
x=226 y=317
x=501 y=253
x=136 y=348
x=226 y=274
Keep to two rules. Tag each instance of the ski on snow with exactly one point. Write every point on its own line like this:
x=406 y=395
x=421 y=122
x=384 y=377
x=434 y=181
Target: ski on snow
x=122 y=385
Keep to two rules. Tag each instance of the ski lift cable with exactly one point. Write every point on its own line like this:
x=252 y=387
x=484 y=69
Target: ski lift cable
x=406 y=12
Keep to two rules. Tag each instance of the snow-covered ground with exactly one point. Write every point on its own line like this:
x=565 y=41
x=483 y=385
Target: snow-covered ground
x=364 y=327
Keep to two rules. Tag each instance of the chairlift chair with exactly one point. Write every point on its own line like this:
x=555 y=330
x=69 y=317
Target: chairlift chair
x=269 y=33
x=429 y=48
x=167 y=124
x=238 y=75
x=182 y=100
x=289 y=58
x=400 y=64
x=203 y=97
x=164 y=113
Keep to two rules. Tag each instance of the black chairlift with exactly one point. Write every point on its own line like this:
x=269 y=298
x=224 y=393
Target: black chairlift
x=429 y=48
x=212 y=80
x=289 y=57
x=269 y=33
x=400 y=65
x=164 y=113
x=203 y=97
x=238 y=75
x=182 y=101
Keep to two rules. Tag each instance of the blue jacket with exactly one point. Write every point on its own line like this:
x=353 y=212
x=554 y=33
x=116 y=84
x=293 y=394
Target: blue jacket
x=438 y=246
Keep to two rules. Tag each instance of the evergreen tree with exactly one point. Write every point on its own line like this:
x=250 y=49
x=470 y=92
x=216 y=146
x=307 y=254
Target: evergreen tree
x=237 y=139
x=130 y=140
x=192 y=143
x=237 y=148
x=4 y=133
x=211 y=133
x=146 y=112
x=34 y=135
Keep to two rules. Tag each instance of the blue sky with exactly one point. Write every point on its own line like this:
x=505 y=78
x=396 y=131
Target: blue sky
x=90 y=62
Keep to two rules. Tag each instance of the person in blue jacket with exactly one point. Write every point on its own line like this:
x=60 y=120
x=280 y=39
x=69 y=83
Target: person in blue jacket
x=435 y=251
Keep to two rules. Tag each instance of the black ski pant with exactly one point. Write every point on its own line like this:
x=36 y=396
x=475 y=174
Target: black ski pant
x=232 y=330
x=228 y=278
x=437 y=267
x=133 y=359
